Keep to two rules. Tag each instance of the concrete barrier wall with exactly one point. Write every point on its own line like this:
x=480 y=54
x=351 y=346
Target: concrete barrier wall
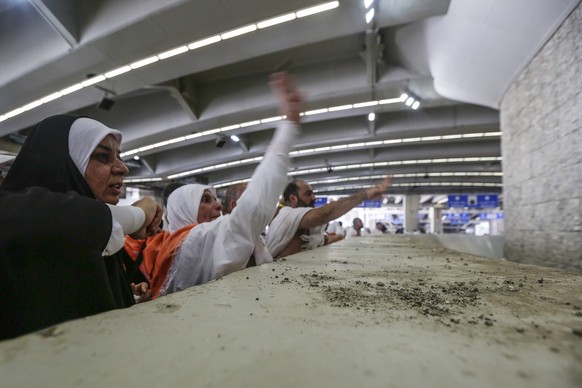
x=380 y=311
x=486 y=246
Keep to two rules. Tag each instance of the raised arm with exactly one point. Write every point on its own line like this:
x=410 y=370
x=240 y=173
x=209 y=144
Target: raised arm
x=256 y=206
x=331 y=211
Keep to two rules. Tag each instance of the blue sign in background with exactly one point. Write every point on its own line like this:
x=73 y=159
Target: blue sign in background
x=487 y=200
x=458 y=200
x=370 y=203
x=320 y=201
x=457 y=218
x=473 y=201
x=491 y=216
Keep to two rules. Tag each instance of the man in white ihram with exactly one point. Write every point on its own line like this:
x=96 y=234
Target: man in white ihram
x=299 y=226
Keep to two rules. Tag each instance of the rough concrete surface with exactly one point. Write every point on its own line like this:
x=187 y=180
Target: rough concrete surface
x=386 y=311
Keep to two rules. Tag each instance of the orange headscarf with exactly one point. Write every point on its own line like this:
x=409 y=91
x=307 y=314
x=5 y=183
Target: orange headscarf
x=158 y=254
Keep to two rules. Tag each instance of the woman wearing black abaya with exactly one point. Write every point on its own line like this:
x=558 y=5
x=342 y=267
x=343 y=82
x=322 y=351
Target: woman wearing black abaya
x=58 y=230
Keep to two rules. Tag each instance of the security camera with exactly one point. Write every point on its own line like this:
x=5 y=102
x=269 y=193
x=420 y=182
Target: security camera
x=220 y=141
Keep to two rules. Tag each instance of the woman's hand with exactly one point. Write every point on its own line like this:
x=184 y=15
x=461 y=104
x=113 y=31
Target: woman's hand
x=141 y=291
x=290 y=100
x=153 y=212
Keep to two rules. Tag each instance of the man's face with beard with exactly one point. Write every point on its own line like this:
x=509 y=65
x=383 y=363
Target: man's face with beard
x=305 y=196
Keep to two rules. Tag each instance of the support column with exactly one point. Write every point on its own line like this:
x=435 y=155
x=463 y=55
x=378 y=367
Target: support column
x=436 y=224
x=411 y=207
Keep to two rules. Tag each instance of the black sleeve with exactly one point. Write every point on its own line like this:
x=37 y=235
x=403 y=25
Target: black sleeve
x=51 y=268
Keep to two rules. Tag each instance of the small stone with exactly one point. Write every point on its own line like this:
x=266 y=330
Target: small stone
x=380 y=284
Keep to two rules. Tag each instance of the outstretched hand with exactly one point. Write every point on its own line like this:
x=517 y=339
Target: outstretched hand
x=290 y=100
x=377 y=191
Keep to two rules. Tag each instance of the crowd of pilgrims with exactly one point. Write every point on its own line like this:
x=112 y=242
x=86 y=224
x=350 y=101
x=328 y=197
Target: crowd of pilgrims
x=67 y=251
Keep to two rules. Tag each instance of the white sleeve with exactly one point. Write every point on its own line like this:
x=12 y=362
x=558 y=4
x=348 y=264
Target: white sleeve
x=125 y=220
x=350 y=232
x=256 y=206
x=130 y=218
x=116 y=240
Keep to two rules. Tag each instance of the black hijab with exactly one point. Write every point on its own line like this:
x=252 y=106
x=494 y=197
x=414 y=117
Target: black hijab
x=44 y=160
x=52 y=235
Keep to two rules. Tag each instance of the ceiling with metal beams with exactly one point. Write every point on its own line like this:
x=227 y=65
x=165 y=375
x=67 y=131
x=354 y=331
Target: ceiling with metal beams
x=180 y=77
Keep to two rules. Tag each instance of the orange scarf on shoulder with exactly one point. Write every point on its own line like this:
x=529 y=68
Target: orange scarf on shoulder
x=158 y=254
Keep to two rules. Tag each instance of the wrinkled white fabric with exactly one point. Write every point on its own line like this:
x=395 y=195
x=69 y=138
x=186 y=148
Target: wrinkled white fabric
x=284 y=227
x=314 y=239
x=351 y=232
x=183 y=204
x=130 y=218
x=84 y=136
x=336 y=228
x=116 y=240
x=214 y=249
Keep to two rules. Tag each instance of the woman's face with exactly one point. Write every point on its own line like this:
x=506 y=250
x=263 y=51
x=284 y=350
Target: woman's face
x=209 y=208
x=105 y=171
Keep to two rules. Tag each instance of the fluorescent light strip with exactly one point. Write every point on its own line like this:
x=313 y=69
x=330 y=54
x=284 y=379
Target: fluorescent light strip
x=341 y=107
x=389 y=101
x=276 y=20
x=32 y=105
x=231 y=183
x=369 y=15
x=136 y=180
x=71 y=89
x=317 y=9
x=433 y=184
x=250 y=123
x=392 y=163
x=409 y=175
x=216 y=167
x=239 y=31
x=365 y=104
x=144 y=62
x=271 y=119
x=93 y=80
x=315 y=112
x=173 y=52
x=51 y=97
x=14 y=112
x=204 y=42
x=116 y=72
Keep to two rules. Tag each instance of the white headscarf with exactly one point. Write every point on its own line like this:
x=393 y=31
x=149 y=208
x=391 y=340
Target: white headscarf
x=84 y=136
x=183 y=205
